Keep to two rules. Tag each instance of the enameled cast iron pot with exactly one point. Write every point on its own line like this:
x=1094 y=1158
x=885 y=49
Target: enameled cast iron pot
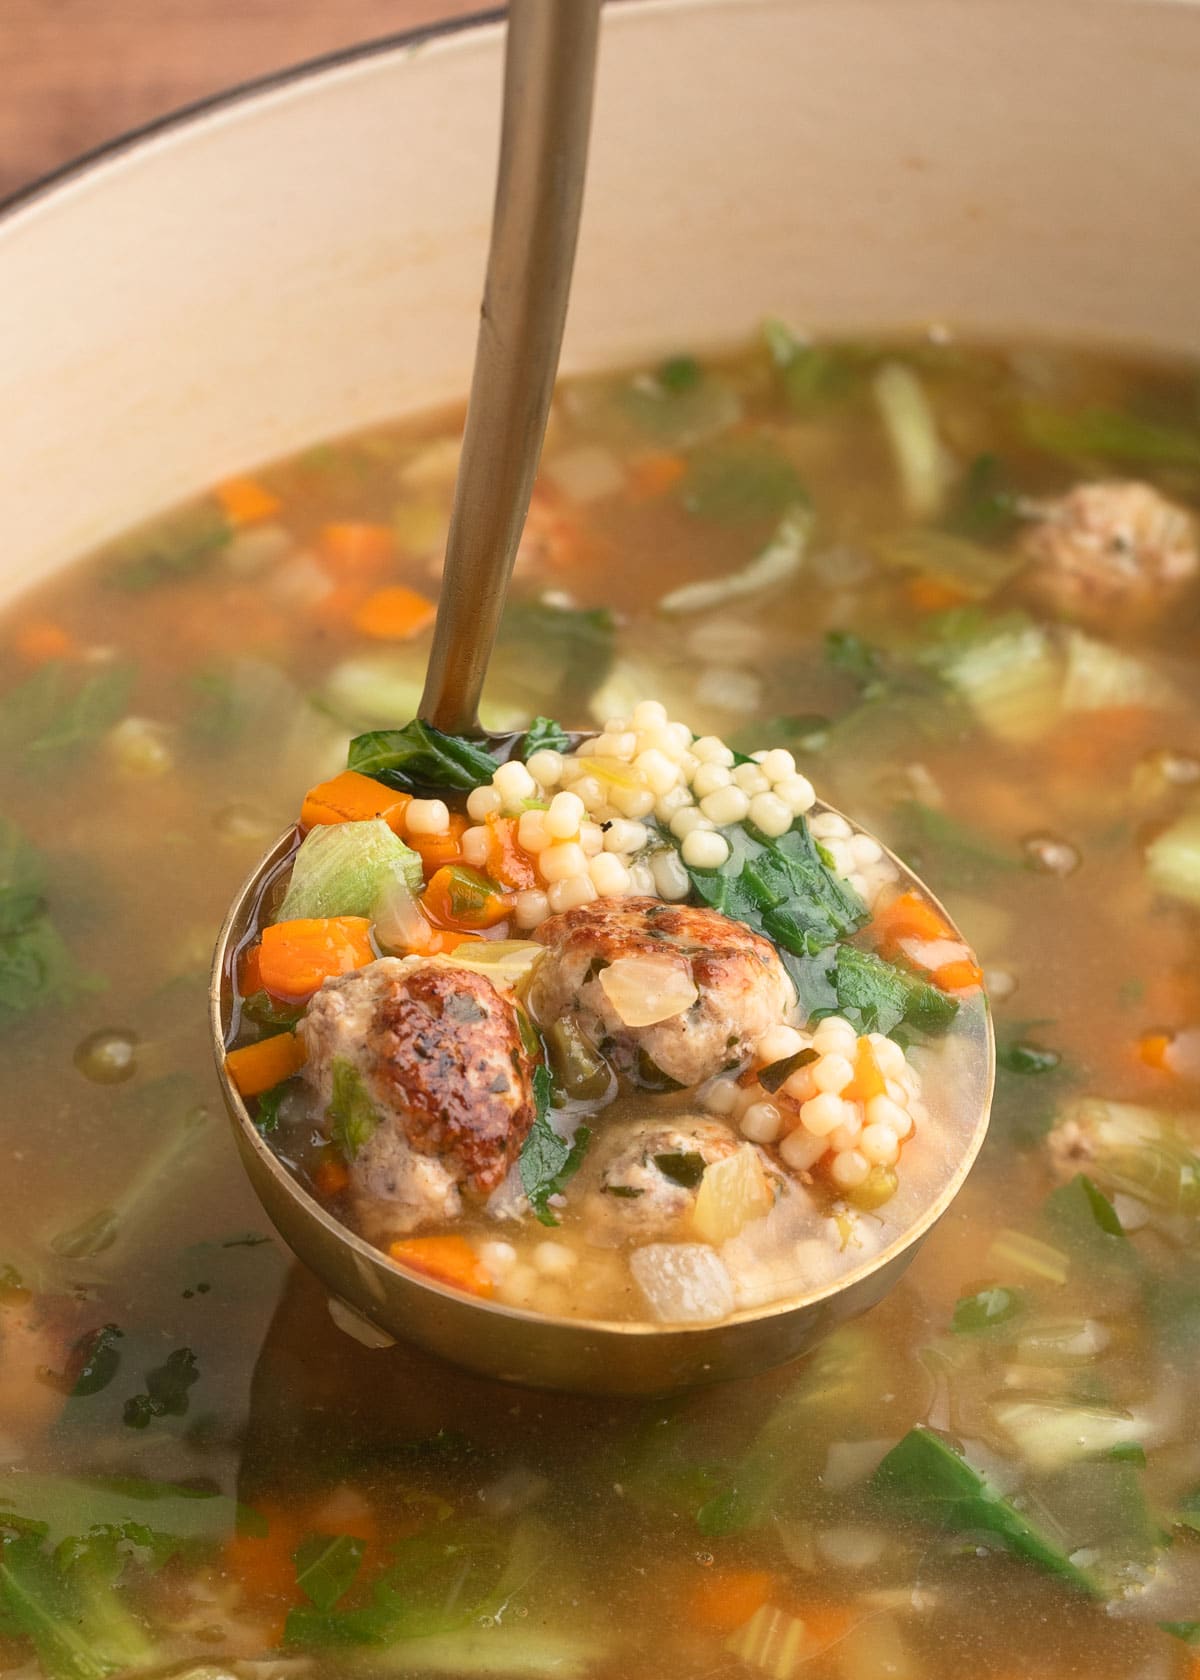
x=303 y=257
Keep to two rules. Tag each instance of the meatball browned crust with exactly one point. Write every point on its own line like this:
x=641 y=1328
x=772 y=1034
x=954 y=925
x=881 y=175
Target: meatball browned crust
x=741 y=985
x=1110 y=546
x=439 y=1053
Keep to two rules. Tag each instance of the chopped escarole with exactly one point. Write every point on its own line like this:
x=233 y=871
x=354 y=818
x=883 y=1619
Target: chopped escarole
x=343 y=869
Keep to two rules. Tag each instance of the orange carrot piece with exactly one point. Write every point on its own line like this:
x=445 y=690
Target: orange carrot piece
x=656 y=474
x=395 y=614
x=455 y=898
x=508 y=861
x=909 y=917
x=449 y=1259
x=438 y=849
x=868 y=1081
x=256 y=1068
x=41 y=639
x=962 y=976
x=246 y=501
x=823 y=1623
x=929 y=594
x=356 y=549
x=337 y=609
x=1152 y=1049
x=353 y=797
x=727 y=1598
x=331 y=1177
x=250 y=978
x=297 y=957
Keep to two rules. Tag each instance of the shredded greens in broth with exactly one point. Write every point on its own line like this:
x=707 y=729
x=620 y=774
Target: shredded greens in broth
x=957 y=583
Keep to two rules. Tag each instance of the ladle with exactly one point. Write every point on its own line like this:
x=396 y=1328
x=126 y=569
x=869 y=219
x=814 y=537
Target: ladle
x=548 y=81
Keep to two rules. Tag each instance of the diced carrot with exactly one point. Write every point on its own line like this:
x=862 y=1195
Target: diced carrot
x=823 y=1623
x=41 y=639
x=656 y=474
x=445 y=940
x=331 y=1177
x=297 y=957
x=246 y=501
x=449 y=1259
x=352 y=797
x=908 y=917
x=930 y=594
x=458 y=897
x=1152 y=1049
x=438 y=849
x=256 y=1068
x=338 y=607
x=263 y=1566
x=1112 y=732
x=868 y=1080
x=727 y=1598
x=354 y=549
x=963 y=976
x=395 y=614
x=508 y=861
x=250 y=972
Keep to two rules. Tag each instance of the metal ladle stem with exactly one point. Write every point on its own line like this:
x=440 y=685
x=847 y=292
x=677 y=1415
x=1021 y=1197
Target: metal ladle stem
x=549 y=72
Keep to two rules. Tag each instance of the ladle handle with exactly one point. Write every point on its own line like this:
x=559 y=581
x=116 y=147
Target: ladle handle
x=549 y=71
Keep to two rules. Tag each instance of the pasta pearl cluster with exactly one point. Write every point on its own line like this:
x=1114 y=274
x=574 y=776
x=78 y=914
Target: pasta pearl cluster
x=591 y=820
x=819 y=1114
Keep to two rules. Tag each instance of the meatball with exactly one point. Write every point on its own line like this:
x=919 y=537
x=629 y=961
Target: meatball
x=634 y=1196
x=731 y=981
x=1111 y=547
x=439 y=1055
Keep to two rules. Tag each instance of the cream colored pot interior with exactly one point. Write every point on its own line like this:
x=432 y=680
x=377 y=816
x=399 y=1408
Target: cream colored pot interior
x=305 y=259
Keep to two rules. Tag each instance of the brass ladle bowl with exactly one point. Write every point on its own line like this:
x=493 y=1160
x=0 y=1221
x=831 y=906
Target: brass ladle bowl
x=549 y=73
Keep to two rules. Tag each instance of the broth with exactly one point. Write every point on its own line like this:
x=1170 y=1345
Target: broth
x=988 y=1467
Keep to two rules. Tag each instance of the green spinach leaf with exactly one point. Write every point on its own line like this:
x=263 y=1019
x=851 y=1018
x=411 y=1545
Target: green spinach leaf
x=419 y=757
x=547 y=1161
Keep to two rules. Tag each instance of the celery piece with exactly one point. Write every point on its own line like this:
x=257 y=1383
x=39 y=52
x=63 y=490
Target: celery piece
x=1107 y=434
x=929 y=1480
x=1012 y=681
x=1099 y=676
x=1018 y=1251
x=1049 y=1434
x=922 y=462
x=1173 y=859
x=773 y=1641
x=342 y=869
x=351 y=1113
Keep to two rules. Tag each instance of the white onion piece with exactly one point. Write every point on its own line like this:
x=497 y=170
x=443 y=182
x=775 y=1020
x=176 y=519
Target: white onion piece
x=682 y=1282
x=644 y=990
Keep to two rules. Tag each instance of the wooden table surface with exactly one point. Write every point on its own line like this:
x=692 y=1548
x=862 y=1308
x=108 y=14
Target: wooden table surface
x=77 y=72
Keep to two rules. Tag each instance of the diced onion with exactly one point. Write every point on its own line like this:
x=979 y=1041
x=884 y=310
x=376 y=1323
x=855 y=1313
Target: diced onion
x=644 y=990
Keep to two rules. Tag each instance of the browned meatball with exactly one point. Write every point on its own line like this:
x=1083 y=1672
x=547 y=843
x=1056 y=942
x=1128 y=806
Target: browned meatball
x=438 y=1050
x=1110 y=547
x=738 y=985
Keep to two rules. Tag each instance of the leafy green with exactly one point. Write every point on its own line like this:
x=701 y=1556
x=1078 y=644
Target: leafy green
x=947 y=850
x=1189 y=1632
x=876 y=996
x=1082 y=1215
x=847 y=653
x=91 y=1364
x=551 y=656
x=776 y=1074
x=266 y=1110
x=172 y=550
x=1109 y=434
x=679 y=373
x=785 y=889
x=987 y=1309
x=547 y=1161
x=441 y=1580
x=543 y=733
x=326 y=1565
x=350 y=1111
x=270 y=1011
x=814 y=374
x=65 y=1506
x=419 y=757
x=986 y=507
x=37 y=970
x=1019 y=1056
x=932 y=1482
x=22 y=879
x=685 y=1168
x=166 y=1392
x=60 y=711
x=36 y=1601
x=741 y=478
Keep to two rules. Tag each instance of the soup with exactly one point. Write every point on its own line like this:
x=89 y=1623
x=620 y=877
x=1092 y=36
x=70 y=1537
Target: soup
x=663 y=1071
x=980 y=645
